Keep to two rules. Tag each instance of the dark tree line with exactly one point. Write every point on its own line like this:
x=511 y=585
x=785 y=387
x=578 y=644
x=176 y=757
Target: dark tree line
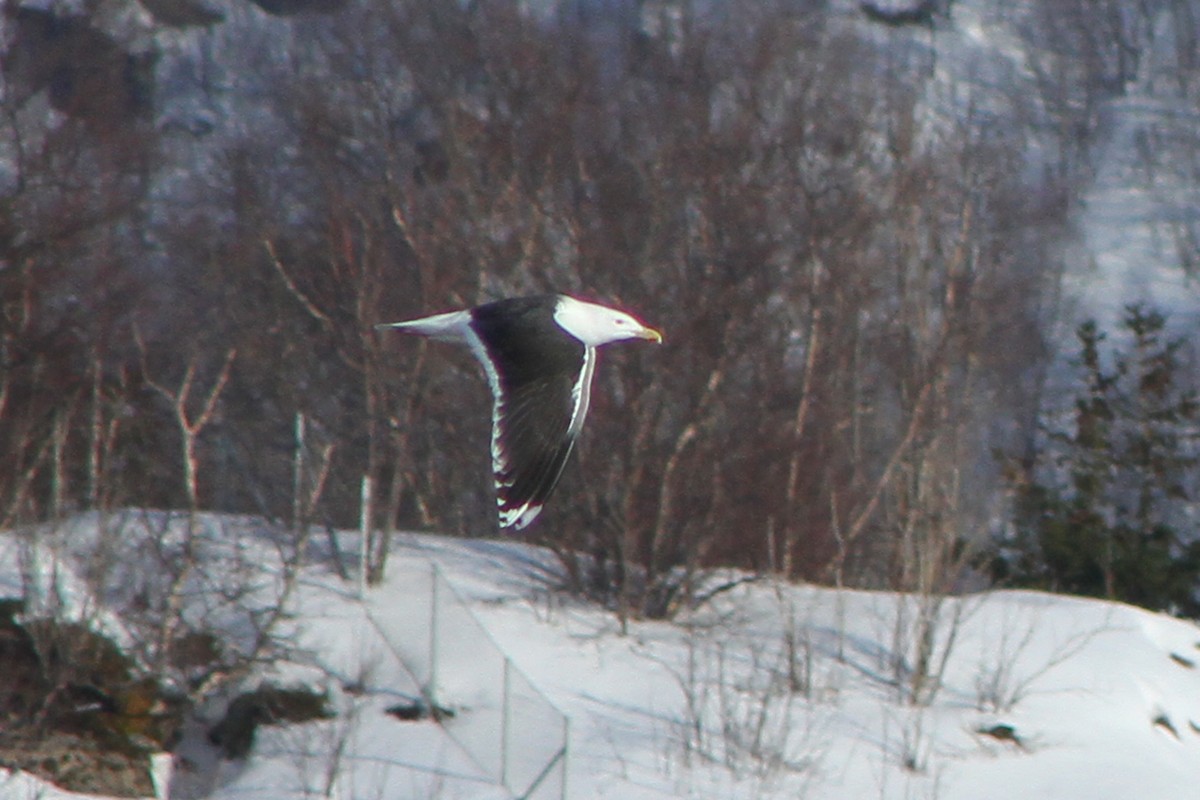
x=853 y=287
x=1106 y=509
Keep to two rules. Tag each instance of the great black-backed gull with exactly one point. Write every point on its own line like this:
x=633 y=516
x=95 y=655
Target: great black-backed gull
x=539 y=354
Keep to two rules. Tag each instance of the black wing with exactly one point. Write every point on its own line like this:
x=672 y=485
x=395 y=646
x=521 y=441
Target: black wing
x=540 y=377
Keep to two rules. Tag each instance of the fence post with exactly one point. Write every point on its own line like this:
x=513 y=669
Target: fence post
x=431 y=690
x=364 y=549
x=506 y=691
x=298 y=473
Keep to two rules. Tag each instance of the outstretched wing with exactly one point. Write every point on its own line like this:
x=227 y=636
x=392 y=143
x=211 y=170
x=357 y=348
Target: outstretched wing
x=540 y=379
x=534 y=427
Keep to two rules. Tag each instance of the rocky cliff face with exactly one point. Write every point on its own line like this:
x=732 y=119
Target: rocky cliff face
x=84 y=71
x=122 y=62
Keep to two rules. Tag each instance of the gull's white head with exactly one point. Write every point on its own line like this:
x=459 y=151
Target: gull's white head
x=595 y=325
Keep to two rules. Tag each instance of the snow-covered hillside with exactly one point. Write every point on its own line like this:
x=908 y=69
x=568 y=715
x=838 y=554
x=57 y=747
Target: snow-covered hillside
x=769 y=690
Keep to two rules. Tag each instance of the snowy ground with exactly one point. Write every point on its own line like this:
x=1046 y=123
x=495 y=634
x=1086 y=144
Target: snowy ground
x=771 y=691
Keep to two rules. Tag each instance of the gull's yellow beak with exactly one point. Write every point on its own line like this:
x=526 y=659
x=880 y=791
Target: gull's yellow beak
x=651 y=334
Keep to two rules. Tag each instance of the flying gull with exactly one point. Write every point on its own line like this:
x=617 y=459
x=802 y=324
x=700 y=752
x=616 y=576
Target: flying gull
x=539 y=354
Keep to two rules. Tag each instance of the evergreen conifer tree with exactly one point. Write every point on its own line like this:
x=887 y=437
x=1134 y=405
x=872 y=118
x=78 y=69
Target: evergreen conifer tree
x=1105 y=511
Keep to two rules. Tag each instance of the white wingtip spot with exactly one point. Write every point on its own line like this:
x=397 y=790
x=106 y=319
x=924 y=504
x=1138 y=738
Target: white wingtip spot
x=519 y=518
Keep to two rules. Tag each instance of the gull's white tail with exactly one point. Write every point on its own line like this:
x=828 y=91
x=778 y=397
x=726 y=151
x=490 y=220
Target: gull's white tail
x=452 y=326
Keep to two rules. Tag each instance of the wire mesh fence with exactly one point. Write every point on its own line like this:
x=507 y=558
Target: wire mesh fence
x=483 y=701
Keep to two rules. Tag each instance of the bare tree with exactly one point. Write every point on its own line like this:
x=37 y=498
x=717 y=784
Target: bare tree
x=848 y=282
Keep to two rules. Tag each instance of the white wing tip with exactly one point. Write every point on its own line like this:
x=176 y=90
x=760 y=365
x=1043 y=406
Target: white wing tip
x=520 y=517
